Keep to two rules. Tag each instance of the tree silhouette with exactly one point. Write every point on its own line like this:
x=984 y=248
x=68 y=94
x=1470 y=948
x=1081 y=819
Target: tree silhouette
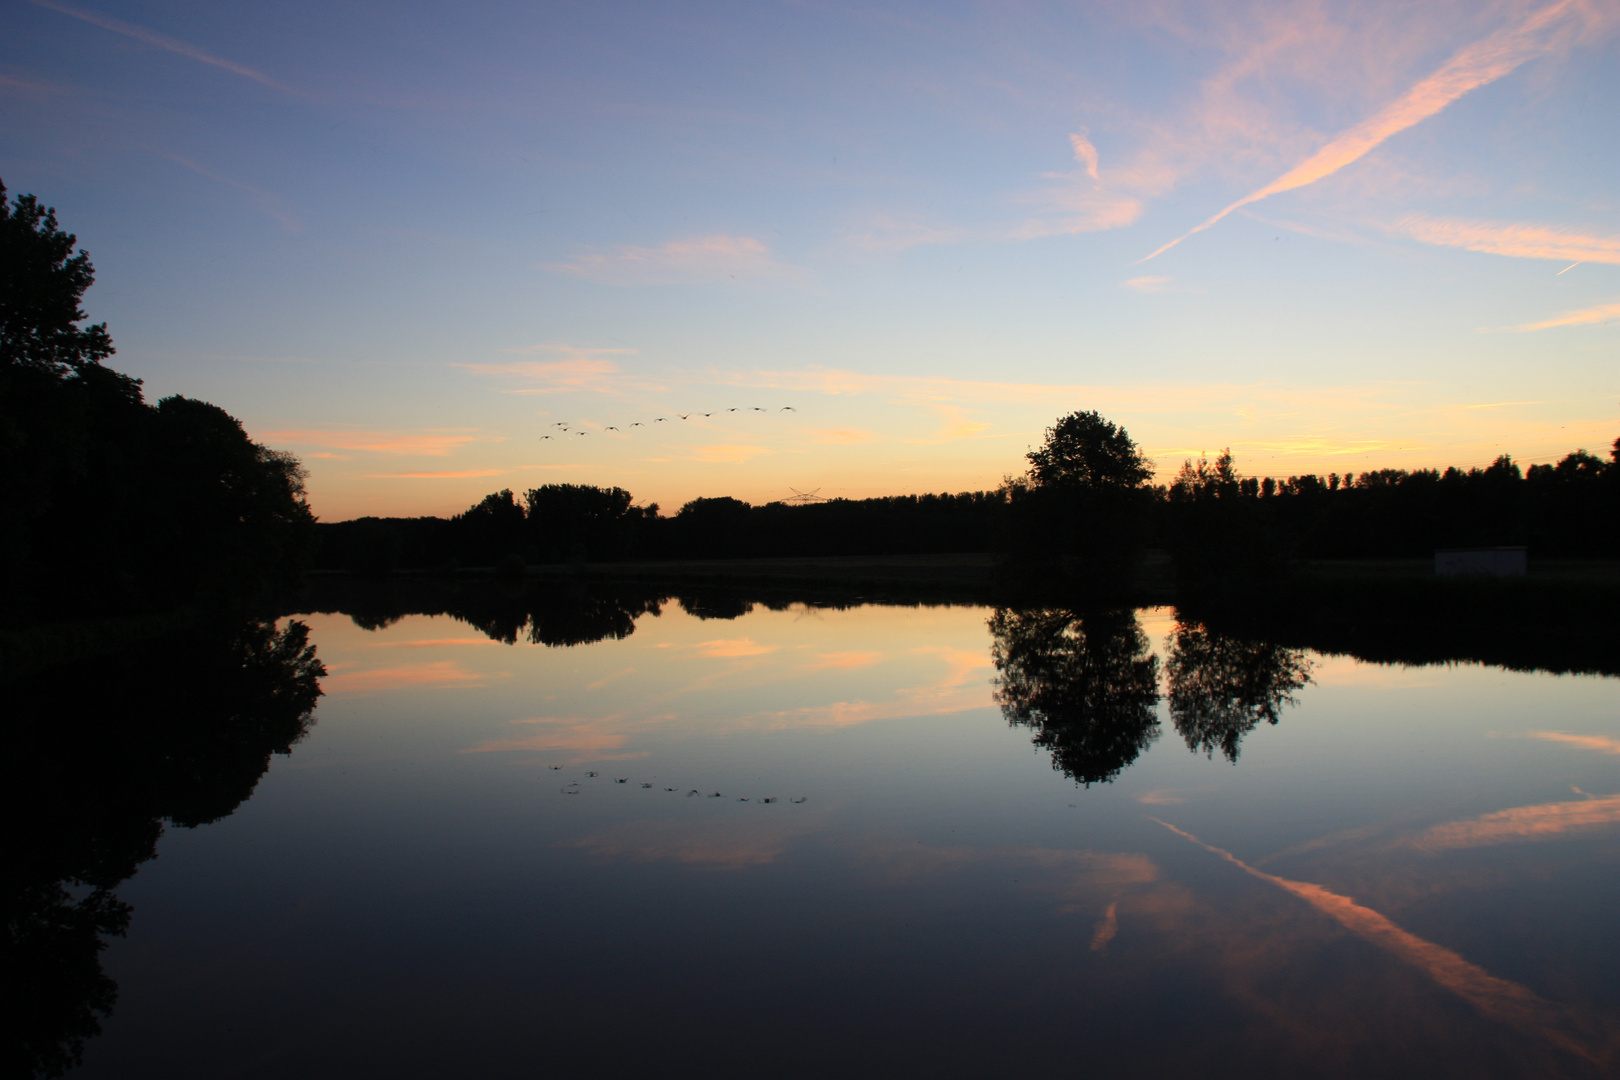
x=1084 y=682
x=1080 y=514
x=114 y=506
x=41 y=283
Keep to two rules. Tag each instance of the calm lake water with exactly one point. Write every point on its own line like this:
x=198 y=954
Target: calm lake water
x=817 y=841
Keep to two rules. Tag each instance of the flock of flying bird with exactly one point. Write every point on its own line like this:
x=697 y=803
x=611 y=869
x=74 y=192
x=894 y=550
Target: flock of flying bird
x=574 y=789
x=568 y=431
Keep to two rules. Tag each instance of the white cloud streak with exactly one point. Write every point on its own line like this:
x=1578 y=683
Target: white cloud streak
x=1476 y=65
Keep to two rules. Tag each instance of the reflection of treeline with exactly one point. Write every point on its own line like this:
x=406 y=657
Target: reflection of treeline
x=554 y=612
x=114 y=506
x=1086 y=509
x=1088 y=686
x=100 y=757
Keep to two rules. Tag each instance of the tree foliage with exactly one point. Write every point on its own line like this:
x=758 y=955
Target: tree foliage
x=41 y=283
x=115 y=506
x=1082 y=450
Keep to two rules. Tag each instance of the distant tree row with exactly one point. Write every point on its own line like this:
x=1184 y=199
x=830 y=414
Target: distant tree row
x=1085 y=511
x=577 y=523
x=114 y=506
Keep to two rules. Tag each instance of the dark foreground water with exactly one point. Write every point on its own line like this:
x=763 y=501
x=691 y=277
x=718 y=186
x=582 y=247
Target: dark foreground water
x=890 y=841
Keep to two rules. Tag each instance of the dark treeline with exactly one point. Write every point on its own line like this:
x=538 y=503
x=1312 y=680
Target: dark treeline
x=577 y=523
x=101 y=757
x=1086 y=502
x=114 y=506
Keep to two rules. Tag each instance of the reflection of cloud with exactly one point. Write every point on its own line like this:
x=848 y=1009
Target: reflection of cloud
x=1515 y=239
x=1160 y=797
x=435 y=673
x=732 y=845
x=1586 y=742
x=434 y=643
x=434 y=442
x=959 y=691
x=1497 y=998
x=733 y=647
x=718 y=258
x=1474 y=66
x=1543 y=822
x=1584 y=317
x=1107 y=928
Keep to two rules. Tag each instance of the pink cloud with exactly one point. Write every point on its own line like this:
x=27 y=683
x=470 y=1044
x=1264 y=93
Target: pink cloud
x=1474 y=66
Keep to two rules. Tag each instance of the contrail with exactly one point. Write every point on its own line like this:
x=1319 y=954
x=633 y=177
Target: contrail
x=163 y=42
x=1495 y=997
x=1483 y=62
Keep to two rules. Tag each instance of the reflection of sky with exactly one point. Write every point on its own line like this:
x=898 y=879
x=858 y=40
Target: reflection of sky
x=403 y=240
x=1382 y=876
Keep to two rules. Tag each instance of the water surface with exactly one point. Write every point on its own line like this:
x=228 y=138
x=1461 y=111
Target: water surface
x=890 y=841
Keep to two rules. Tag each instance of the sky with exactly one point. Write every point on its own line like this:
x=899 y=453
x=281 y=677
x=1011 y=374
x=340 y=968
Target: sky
x=409 y=241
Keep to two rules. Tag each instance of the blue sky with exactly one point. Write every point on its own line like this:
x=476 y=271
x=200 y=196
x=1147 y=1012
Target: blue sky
x=406 y=241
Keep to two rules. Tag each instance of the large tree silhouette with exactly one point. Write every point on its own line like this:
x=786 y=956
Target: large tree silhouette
x=114 y=506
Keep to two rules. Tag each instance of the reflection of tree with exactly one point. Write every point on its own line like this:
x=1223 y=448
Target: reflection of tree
x=1222 y=687
x=100 y=755
x=550 y=611
x=579 y=616
x=1085 y=682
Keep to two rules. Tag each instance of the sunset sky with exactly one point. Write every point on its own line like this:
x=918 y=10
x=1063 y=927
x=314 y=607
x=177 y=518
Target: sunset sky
x=405 y=241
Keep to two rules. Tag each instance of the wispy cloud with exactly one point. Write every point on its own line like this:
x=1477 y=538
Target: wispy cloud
x=435 y=443
x=1079 y=202
x=568 y=369
x=739 y=260
x=1474 y=66
x=885 y=232
x=834 y=436
x=1601 y=743
x=1147 y=284
x=729 y=454
x=1517 y=239
x=268 y=202
x=454 y=475
x=1603 y=313
x=162 y=41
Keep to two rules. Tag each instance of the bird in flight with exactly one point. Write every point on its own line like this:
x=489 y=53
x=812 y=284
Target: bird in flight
x=789 y=408
x=756 y=408
x=660 y=420
x=731 y=410
x=610 y=427
x=636 y=424
x=545 y=436
x=683 y=416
